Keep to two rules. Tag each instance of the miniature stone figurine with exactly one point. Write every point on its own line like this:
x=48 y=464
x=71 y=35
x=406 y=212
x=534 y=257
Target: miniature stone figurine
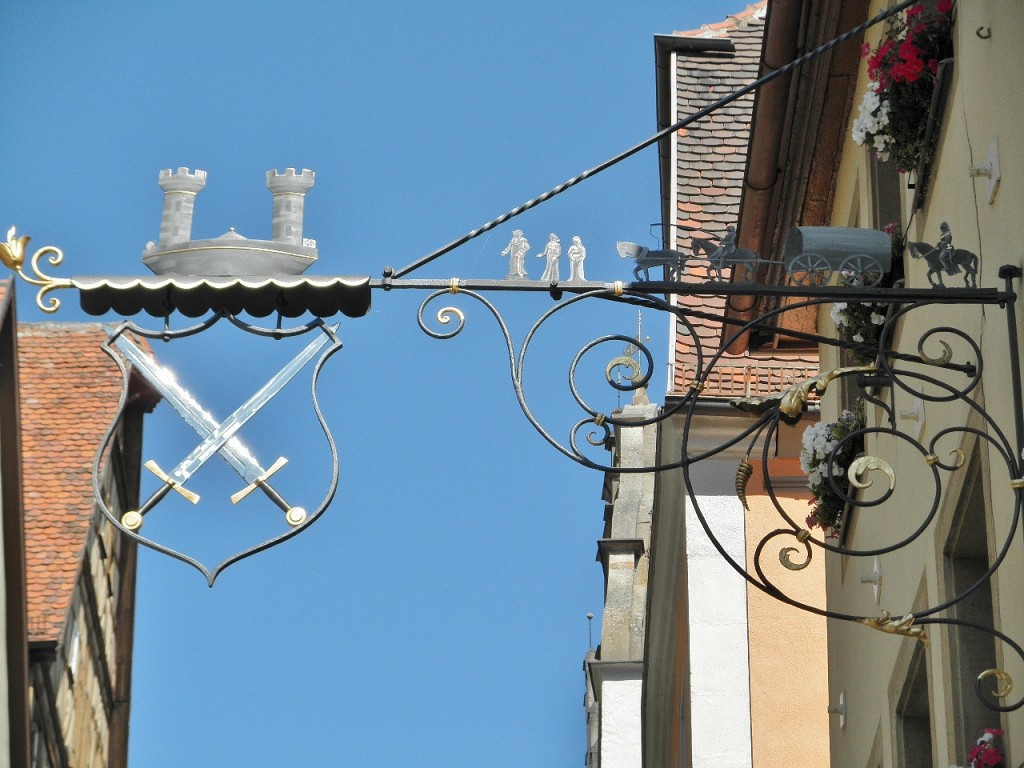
x=552 y=252
x=577 y=254
x=516 y=251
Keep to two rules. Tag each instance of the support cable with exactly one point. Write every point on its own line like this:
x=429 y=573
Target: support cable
x=699 y=115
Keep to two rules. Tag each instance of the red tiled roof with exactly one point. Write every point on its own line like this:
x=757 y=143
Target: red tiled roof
x=752 y=12
x=711 y=161
x=69 y=390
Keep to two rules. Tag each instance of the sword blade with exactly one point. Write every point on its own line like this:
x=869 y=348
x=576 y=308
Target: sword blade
x=181 y=400
x=227 y=428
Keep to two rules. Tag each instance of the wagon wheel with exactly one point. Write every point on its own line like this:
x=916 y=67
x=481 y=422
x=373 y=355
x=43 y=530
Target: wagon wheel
x=810 y=269
x=860 y=269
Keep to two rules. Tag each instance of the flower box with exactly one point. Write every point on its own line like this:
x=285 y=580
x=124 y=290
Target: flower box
x=908 y=73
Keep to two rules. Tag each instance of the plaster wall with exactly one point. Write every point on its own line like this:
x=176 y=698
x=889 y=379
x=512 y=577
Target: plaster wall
x=719 y=673
x=620 y=723
x=985 y=102
x=788 y=674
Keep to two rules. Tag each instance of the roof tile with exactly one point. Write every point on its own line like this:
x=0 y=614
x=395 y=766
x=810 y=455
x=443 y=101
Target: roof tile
x=69 y=392
x=711 y=162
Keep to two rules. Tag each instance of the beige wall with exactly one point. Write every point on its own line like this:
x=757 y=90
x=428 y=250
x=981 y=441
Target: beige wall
x=788 y=675
x=985 y=102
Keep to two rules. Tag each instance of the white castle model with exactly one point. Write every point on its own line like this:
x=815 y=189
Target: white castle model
x=231 y=254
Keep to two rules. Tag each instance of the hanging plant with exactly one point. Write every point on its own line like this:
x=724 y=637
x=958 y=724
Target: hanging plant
x=902 y=74
x=825 y=456
x=861 y=323
x=985 y=753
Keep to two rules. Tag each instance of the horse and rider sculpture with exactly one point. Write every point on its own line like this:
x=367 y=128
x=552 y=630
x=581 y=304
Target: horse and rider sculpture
x=944 y=258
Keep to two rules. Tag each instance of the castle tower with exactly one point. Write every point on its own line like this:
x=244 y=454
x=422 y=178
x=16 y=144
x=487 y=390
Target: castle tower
x=180 y=188
x=289 y=190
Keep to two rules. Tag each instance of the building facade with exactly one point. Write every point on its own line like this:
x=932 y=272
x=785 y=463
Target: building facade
x=692 y=657
x=69 y=575
x=898 y=701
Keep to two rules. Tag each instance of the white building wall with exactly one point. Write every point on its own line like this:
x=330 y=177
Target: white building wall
x=719 y=668
x=620 y=723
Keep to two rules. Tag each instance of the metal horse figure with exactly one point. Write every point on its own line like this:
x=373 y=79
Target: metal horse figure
x=718 y=258
x=646 y=258
x=960 y=258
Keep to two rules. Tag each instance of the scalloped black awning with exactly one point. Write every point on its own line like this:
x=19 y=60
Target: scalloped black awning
x=196 y=296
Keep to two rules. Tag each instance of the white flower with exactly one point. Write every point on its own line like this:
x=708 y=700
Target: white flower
x=872 y=119
x=882 y=118
x=858 y=338
x=837 y=313
x=877 y=318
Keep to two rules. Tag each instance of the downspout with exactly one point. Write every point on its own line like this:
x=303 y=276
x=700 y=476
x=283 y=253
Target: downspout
x=772 y=107
x=673 y=228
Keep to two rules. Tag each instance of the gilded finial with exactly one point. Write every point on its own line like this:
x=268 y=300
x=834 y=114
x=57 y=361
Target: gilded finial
x=12 y=253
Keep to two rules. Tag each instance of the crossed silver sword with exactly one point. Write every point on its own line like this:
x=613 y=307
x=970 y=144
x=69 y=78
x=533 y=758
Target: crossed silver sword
x=217 y=438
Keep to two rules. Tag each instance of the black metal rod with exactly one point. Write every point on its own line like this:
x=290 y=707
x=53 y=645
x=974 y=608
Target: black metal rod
x=712 y=288
x=698 y=115
x=1008 y=273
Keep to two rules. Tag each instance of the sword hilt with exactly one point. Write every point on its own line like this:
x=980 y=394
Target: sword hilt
x=132 y=519
x=293 y=515
x=171 y=482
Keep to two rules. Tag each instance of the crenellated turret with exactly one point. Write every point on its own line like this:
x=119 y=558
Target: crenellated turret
x=231 y=254
x=180 y=188
x=289 y=190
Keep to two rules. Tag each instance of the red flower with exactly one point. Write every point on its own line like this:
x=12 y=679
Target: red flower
x=909 y=51
x=865 y=50
x=913 y=11
x=944 y=6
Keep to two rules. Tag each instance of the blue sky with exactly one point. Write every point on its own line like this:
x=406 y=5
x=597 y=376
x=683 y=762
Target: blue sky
x=435 y=616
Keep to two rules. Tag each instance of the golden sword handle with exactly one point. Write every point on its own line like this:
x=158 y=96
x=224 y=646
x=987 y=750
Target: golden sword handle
x=293 y=515
x=132 y=519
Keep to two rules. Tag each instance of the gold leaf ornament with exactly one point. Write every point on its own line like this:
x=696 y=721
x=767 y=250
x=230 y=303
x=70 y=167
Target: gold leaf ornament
x=12 y=253
x=1004 y=683
x=896 y=626
x=862 y=465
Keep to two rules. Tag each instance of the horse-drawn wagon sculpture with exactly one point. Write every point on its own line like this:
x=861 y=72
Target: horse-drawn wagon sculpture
x=718 y=254
x=812 y=255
